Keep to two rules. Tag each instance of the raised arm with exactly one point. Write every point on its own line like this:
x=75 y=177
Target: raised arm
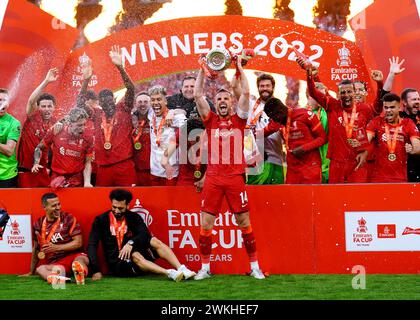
x=243 y=103
x=203 y=107
x=311 y=77
x=395 y=67
x=378 y=77
x=236 y=87
x=87 y=72
x=52 y=75
x=116 y=58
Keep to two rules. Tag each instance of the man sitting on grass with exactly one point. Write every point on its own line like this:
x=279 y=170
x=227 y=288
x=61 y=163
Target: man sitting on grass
x=129 y=248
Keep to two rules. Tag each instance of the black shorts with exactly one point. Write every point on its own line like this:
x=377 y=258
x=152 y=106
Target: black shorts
x=125 y=268
x=9 y=183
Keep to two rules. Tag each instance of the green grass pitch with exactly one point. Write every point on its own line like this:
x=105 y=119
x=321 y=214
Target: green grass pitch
x=224 y=287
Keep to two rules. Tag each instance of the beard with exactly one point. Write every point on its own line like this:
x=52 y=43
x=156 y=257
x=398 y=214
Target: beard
x=265 y=95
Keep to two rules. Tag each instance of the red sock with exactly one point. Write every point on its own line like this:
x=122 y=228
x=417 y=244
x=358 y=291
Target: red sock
x=249 y=242
x=205 y=242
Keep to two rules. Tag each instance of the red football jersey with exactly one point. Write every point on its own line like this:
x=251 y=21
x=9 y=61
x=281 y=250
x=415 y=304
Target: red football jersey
x=307 y=132
x=225 y=145
x=386 y=170
x=339 y=148
x=69 y=153
x=142 y=156
x=33 y=131
x=193 y=158
x=66 y=230
x=122 y=148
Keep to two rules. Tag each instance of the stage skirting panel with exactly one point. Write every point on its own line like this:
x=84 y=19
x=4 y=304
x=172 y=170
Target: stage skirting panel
x=299 y=229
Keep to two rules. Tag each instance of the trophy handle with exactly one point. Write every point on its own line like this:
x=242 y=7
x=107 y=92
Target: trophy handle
x=207 y=71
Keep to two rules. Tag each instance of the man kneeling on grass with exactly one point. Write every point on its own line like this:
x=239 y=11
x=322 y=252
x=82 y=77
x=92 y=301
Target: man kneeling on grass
x=129 y=248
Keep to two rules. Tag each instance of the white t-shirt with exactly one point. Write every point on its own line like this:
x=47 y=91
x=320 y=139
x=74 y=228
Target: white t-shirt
x=272 y=143
x=156 y=152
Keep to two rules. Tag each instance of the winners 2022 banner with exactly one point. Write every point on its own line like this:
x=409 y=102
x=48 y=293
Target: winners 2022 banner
x=29 y=48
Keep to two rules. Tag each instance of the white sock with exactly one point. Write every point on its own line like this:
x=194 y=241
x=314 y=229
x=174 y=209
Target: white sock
x=205 y=266
x=254 y=265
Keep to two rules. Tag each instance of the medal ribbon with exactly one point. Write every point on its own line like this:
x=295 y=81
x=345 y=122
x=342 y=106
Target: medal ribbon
x=44 y=231
x=107 y=127
x=158 y=132
x=200 y=153
x=391 y=144
x=139 y=131
x=349 y=125
x=118 y=229
x=256 y=117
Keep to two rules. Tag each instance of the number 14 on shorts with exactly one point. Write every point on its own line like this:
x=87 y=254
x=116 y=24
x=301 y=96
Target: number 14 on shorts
x=244 y=198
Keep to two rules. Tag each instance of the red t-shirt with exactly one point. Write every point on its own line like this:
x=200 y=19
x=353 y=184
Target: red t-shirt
x=142 y=156
x=69 y=153
x=305 y=131
x=225 y=145
x=187 y=170
x=64 y=233
x=33 y=131
x=384 y=169
x=339 y=148
x=122 y=148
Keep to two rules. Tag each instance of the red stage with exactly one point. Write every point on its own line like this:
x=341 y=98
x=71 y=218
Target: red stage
x=299 y=229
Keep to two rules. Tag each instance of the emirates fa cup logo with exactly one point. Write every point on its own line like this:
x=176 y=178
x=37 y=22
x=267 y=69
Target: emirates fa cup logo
x=143 y=212
x=344 y=57
x=362 y=225
x=83 y=60
x=15 y=228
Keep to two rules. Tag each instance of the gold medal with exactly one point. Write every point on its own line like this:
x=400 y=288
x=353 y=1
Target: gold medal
x=41 y=255
x=137 y=146
x=107 y=145
x=391 y=142
x=197 y=174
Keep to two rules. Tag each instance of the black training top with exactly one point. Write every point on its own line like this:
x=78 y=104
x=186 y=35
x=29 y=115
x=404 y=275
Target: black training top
x=179 y=101
x=136 y=231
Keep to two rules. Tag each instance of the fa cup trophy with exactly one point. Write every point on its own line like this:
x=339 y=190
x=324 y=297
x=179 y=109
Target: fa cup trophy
x=219 y=59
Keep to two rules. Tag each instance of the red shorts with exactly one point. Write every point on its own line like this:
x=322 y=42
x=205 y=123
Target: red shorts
x=343 y=172
x=232 y=187
x=66 y=180
x=143 y=177
x=159 y=181
x=33 y=180
x=370 y=165
x=306 y=174
x=68 y=260
x=117 y=175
